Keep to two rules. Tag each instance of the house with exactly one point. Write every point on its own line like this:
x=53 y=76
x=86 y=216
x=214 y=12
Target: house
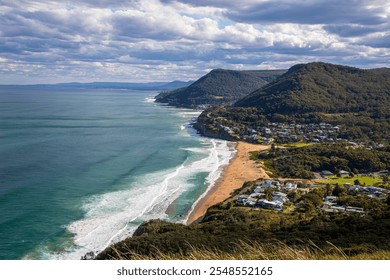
x=268 y=141
x=358 y=210
x=279 y=197
x=326 y=173
x=352 y=144
x=332 y=208
x=271 y=184
x=330 y=199
x=256 y=195
x=354 y=188
x=267 y=131
x=242 y=199
x=377 y=195
x=344 y=173
x=290 y=186
x=251 y=202
x=258 y=189
x=263 y=203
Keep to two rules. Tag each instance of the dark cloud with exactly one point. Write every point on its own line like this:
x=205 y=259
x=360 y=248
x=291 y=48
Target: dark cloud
x=382 y=41
x=350 y=30
x=127 y=27
x=309 y=12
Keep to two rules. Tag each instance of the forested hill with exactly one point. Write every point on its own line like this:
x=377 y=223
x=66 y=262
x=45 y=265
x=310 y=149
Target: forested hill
x=327 y=88
x=219 y=86
x=358 y=100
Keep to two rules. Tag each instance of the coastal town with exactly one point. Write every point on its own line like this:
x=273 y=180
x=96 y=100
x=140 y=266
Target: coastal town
x=285 y=133
x=281 y=195
x=291 y=133
x=279 y=132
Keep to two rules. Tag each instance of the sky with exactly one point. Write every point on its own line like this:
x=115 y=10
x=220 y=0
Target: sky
x=51 y=41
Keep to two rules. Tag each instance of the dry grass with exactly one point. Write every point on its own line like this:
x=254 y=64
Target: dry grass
x=254 y=251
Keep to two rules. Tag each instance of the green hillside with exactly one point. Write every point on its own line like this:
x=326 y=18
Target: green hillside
x=355 y=99
x=217 y=87
x=327 y=88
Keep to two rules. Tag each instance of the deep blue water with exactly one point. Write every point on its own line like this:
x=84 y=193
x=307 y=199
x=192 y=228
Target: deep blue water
x=80 y=169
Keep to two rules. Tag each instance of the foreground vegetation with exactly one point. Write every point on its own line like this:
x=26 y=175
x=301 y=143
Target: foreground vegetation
x=254 y=251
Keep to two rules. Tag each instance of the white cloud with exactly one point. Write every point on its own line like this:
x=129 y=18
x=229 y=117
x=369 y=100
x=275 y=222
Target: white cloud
x=108 y=39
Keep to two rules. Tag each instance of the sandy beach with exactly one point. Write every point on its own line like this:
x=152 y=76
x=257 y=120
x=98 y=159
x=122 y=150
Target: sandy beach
x=239 y=170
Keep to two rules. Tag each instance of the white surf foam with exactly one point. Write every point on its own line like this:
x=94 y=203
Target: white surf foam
x=222 y=154
x=150 y=99
x=114 y=216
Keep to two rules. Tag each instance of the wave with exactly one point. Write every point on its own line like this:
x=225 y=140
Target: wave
x=150 y=99
x=113 y=216
x=215 y=173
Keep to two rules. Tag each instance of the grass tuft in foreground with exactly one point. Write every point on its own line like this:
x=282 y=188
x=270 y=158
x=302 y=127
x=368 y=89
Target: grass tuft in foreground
x=253 y=251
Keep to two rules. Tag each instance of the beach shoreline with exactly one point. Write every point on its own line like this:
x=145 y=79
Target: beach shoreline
x=239 y=170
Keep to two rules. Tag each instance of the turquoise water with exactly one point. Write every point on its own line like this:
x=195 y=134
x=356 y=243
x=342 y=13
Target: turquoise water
x=81 y=169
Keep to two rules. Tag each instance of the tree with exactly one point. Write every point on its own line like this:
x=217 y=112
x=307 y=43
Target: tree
x=339 y=190
x=356 y=182
x=328 y=189
x=268 y=194
x=292 y=196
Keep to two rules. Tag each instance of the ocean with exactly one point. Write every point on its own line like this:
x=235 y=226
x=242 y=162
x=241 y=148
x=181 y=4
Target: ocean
x=81 y=169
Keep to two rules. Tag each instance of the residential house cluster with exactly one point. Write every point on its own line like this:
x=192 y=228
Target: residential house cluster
x=331 y=206
x=256 y=198
x=370 y=191
x=285 y=133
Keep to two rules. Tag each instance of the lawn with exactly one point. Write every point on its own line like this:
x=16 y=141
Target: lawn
x=296 y=145
x=368 y=181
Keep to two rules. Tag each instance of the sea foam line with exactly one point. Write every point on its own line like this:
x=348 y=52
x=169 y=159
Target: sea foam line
x=213 y=176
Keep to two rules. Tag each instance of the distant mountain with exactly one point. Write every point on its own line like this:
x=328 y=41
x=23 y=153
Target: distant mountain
x=219 y=86
x=137 y=86
x=326 y=88
x=174 y=85
x=157 y=86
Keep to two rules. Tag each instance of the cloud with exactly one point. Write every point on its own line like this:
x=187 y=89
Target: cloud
x=302 y=12
x=152 y=39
